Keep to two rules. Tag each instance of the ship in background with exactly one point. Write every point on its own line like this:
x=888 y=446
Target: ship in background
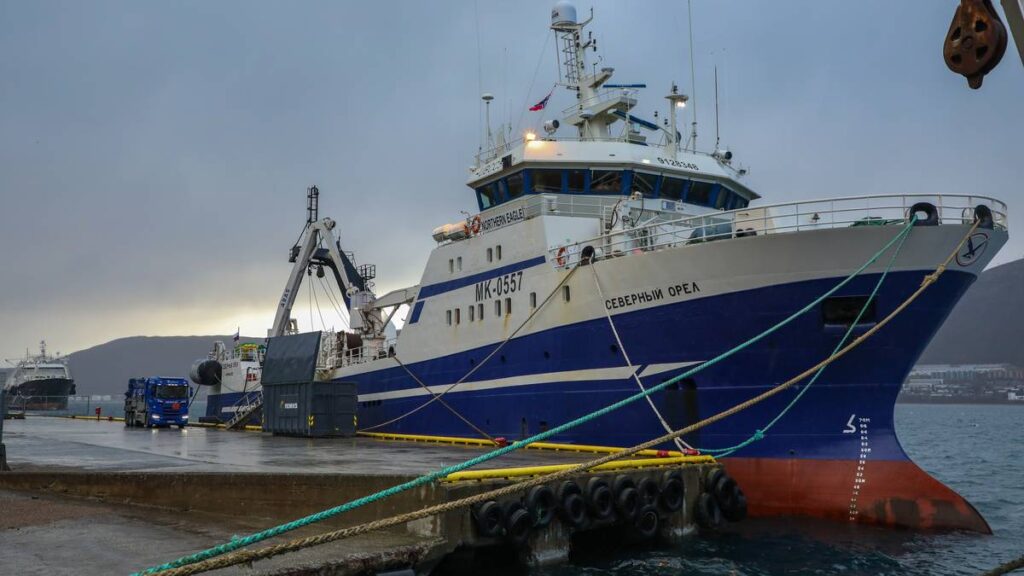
x=39 y=382
x=613 y=258
x=232 y=377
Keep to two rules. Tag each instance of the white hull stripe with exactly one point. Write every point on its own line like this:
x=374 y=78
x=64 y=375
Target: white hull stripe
x=614 y=373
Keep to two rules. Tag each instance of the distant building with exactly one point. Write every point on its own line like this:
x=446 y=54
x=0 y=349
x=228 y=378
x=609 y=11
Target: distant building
x=968 y=383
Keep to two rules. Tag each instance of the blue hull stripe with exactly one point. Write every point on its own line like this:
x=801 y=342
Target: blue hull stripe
x=448 y=286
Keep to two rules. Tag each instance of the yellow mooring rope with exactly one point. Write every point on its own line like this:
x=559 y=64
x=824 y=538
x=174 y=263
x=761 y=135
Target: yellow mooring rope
x=244 y=556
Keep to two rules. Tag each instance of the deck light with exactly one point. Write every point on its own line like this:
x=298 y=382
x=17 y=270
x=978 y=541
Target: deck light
x=530 y=136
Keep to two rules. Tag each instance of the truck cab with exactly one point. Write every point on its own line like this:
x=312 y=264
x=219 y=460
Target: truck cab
x=156 y=402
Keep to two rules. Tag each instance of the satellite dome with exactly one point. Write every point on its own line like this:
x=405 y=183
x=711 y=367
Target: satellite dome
x=563 y=14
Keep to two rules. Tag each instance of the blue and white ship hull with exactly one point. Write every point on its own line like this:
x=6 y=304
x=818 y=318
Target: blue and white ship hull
x=677 y=307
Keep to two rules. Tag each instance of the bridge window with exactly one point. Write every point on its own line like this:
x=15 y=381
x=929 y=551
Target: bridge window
x=699 y=193
x=645 y=183
x=487 y=195
x=576 y=181
x=606 y=182
x=546 y=180
x=514 y=182
x=672 y=188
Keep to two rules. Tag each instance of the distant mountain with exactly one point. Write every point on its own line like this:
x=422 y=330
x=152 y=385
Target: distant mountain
x=988 y=324
x=106 y=368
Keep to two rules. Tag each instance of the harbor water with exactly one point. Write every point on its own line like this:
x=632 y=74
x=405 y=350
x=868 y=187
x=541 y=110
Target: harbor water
x=977 y=450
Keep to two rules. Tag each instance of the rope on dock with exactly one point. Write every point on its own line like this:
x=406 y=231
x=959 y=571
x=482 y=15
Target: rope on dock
x=245 y=556
x=238 y=543
x=1011 y=566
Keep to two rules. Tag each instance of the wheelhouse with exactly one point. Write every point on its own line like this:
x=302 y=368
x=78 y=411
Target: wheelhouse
x=671 y=186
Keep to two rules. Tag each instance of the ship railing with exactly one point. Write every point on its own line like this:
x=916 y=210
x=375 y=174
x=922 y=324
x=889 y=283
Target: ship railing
x=876 y=210
x=367 y=353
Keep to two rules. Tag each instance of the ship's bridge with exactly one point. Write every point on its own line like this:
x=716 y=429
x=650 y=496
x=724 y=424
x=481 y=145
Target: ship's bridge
x=606 y=168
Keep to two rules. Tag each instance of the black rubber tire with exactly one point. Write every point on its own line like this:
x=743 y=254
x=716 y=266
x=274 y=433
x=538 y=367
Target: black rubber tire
x=646 y=522
x=542 y=505
x=673 y=493
x=488 y=518
x=622 y=482
x=600 y=500
x=572 y=508
x=706 y=512
x=712 y=478
x=649 y=491
x=627 y=499
x=931 y=214
x=983 y=215
x=627 y=503
x=738 y=510
x=517 y=523
x=724 y=491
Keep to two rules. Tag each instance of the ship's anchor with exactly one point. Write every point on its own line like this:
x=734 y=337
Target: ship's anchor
x=976 y=41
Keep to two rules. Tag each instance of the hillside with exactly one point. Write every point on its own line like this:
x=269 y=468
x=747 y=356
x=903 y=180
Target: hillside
x=106 y=368
x=988 y=324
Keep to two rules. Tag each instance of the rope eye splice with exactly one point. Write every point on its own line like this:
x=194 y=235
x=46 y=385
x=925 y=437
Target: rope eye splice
x=206 y=559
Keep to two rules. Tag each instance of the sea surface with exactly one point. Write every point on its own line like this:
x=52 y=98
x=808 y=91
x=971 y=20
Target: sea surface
x=976 y=450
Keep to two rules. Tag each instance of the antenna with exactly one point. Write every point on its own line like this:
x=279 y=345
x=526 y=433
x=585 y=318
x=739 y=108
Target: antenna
x=312 y=204
x=487 y=97
x=693 y=80
x=717 y=136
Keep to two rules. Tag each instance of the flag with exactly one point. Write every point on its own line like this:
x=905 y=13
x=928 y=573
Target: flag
x=543 y=103
x=237 y=330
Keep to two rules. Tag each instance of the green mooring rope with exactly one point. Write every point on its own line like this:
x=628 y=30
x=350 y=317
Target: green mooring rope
x=760 y=433
x=241 y=542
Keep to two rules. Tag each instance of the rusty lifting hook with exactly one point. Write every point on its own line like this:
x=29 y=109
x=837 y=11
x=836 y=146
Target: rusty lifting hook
x=976 y=41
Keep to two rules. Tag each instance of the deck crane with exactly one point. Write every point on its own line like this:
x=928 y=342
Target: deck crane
x=317 y=248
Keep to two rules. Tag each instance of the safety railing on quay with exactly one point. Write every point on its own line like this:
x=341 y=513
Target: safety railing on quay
x=878 y=210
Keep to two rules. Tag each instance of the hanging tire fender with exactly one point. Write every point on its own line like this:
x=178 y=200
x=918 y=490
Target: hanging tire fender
x=983 y=216
x=541 y=504
x=627 y=499
x=488 y=518
x=930 y=212
x=706 y=512
x=517 y=523
x=571 y=506
x=646 y=522
x=673 y=491
x=649 y=490
x=600 y=500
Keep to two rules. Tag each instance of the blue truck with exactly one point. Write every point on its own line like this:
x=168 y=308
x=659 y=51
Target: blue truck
x=156 y=402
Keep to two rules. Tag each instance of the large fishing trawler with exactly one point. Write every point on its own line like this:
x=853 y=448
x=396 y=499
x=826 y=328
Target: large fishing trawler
x=612 y=257
x=39 y=382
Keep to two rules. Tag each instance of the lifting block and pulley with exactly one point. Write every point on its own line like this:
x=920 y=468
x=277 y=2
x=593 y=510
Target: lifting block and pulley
x=976 y=41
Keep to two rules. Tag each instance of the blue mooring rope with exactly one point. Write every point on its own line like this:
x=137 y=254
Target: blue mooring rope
x=759 y=434
x=237 y=543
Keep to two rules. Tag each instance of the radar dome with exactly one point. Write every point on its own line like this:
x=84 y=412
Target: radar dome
x=563 y=14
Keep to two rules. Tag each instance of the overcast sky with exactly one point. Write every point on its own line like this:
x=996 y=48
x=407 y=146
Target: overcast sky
x=154 y=156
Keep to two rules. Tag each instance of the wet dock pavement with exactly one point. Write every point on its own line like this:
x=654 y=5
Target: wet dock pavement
x=102 y=445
